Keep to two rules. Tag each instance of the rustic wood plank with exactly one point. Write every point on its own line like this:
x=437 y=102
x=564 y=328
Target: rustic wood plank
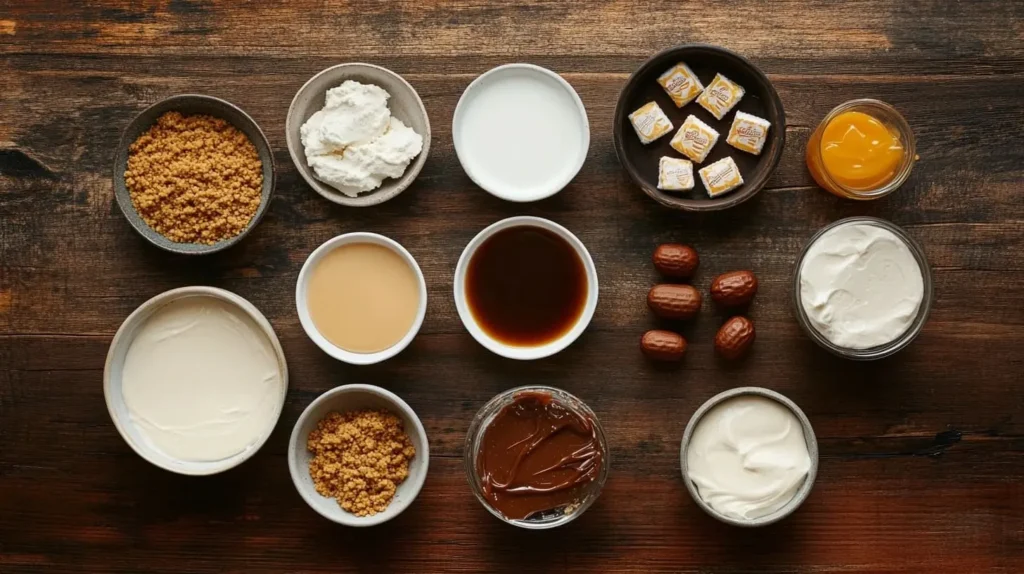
x=922 y=455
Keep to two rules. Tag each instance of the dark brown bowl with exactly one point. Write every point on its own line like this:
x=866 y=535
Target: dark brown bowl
x=761 y=99
x=192 y=104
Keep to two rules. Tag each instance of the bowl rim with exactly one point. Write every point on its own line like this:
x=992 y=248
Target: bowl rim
x=904 y=339
x=809 y=437
x=119 y=167
x=482 y=419
x=306 y=320
x=474 y=86
x=369 y=198
x=294 y=444
x=137 y=318
x=512 y=351
x=728 y=200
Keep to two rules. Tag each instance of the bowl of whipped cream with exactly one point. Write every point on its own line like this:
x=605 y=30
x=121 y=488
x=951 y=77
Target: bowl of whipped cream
x=749 y=457
x=862 y=288
x=358 y=134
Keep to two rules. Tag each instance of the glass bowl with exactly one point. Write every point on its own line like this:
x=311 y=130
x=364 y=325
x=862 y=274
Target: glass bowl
x=880 y=351
x=558 y=516
x=884 y=113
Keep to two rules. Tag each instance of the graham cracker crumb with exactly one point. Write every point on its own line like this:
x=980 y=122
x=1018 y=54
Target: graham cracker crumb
x=194 y=179
x=360 y=458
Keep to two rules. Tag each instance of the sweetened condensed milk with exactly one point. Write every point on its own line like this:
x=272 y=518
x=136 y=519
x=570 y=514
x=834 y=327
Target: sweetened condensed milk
x=363 y=297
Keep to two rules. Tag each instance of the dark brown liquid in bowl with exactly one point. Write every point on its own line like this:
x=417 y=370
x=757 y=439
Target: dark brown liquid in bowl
x=526 y=286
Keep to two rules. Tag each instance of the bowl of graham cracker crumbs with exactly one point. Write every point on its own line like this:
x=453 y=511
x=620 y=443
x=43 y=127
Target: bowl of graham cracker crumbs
x=193 y=174
x=358 y=455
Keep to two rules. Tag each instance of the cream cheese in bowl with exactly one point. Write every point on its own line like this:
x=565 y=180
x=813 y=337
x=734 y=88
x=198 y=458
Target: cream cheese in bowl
x=200 y=380
x=863 y=288
x=195 y=380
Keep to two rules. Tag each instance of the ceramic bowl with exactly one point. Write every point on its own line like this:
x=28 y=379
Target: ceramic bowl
x=546 y=86
x=349 y=398
x=115 y=364
x=191 y=104
x=812 y=449
x=306 y=319
x=512 y=351
x=405 y=104
x=641 y=161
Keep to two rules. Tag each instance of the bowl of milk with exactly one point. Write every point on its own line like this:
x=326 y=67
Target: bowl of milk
x=521 y=132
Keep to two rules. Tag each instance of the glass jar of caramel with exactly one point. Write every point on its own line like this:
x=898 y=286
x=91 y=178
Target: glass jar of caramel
x=863 y=149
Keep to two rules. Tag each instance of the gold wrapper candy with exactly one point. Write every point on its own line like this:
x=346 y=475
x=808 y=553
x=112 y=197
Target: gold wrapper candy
x=675 y=174
x=694 y=139
x=721 y=95
x=748 y=133
x=650 y=122
x=681 y=84
x=721 y=177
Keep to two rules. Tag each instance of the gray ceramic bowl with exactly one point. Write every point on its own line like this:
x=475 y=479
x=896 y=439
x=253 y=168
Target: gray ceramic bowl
x=347 y=398
x=812 y=449
x=405 y=104
x=192 y=104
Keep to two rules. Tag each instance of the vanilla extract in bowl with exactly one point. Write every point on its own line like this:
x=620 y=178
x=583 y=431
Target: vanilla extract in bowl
x=526 y=286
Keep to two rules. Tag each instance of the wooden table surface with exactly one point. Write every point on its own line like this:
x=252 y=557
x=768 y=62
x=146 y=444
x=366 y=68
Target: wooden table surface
x=922 y=454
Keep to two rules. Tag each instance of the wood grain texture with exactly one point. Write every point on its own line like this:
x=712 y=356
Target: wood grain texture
x=922 y=454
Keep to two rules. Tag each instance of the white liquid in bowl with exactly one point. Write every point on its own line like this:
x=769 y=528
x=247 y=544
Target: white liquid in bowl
x=521 y=132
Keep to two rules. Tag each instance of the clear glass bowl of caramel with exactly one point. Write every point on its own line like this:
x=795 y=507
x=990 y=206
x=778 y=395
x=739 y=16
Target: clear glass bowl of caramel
x=863 y=149
x=536 y=457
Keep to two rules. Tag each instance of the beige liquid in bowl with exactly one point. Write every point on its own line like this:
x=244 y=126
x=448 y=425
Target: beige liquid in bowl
x=363 y=297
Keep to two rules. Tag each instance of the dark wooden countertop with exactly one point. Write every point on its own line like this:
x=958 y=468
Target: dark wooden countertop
x=922 y=454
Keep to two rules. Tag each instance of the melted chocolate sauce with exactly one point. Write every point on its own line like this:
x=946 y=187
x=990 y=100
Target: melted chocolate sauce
x=537 y=455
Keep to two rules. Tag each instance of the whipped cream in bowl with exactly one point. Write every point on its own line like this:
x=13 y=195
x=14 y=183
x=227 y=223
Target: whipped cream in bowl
x=862 y=288
x=749 y=457
x=358 y=134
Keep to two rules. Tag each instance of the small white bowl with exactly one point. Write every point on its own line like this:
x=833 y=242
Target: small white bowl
x=547 y=87
x=350 y=398
x=115 y=364
x=513 y=351
x=303 y=307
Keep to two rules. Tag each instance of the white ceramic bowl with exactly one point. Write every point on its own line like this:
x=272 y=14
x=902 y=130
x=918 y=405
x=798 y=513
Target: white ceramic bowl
x=405 y=104
x=487 y=87
x=303 y=307
x=349 y=398
x=512 y=351
x=115 y=363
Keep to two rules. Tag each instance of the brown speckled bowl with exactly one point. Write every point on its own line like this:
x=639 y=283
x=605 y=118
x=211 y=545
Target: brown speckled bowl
x=191 y=104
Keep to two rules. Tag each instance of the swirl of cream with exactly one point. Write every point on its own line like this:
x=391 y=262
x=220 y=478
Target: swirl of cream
x=748 y=457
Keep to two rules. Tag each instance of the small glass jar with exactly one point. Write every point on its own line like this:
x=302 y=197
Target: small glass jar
x=474 y=439
x=880 y=351
x=896 y=124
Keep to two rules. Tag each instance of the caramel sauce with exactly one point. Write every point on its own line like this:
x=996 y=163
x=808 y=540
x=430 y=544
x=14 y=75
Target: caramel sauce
x=526 y=286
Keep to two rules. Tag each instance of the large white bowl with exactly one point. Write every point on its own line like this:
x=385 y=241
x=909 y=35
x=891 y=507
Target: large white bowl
x=115 y=364
x=349 y=398
x=302 y=304
x=522 y=352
